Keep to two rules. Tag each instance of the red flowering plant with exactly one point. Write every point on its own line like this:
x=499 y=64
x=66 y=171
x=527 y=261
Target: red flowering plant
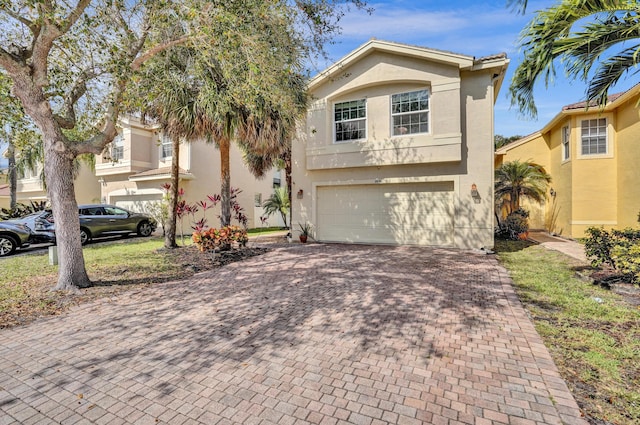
x=208 y=239
x=212 y=238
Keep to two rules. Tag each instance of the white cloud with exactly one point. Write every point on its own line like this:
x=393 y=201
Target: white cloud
x=475 y=30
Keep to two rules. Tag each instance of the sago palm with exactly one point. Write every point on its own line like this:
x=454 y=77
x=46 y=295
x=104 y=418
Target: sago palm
x=515 y=179
x=595 y=41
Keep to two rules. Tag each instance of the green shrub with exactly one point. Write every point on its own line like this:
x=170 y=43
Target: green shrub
x=627 y=260
x=610 y=247
x=20 y=210
x=514 y=225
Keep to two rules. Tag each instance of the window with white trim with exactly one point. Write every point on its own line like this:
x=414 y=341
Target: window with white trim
x=410 y=112
x=350 y=120
x=566 y=147
x=593 y=136
x=166 y=147
x=117 y=148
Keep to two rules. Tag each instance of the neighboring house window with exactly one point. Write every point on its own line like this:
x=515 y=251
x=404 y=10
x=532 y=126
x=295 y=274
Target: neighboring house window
x=410 y=112
x=566 y=147
x=257 y=199
x=350 y=120
x=166 y=146
x=594 y=136
x=117 y=148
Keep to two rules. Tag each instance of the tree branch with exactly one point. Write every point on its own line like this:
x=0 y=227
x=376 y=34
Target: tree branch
x=68 y=120
x=24 y=21
x=74 y=16
x=137 y=63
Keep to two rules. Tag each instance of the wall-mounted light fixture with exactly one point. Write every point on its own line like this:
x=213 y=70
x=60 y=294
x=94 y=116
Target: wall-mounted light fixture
x=475 y=194
x=552 y=192
x=102 y=181
x=300 y=194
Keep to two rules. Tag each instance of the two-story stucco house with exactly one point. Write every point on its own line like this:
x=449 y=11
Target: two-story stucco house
x=397 y=148
x=137 y=164
x=592 y=155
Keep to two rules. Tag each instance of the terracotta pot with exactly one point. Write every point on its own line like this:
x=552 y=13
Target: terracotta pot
x=523 y=236
x=303 y=238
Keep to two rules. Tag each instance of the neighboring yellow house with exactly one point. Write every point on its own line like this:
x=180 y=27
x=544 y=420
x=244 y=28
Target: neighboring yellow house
x=592 y=155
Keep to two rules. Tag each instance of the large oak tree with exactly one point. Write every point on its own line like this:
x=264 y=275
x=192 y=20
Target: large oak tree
x=70 y=63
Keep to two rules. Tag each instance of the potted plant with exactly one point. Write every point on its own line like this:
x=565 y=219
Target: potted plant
x=305 y=232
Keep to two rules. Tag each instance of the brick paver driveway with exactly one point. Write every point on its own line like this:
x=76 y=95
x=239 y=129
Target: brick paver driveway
x=308 y=334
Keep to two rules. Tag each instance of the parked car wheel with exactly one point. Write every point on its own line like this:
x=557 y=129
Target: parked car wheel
x=85 y=236
x=145 y=229
x=7 y=245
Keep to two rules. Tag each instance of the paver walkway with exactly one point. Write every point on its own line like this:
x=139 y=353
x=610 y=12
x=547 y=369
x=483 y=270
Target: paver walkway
x=307 y=334
x=566 y=246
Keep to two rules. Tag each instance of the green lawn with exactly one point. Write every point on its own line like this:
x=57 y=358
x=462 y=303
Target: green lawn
x=592 y=333
x=26 y=280
x=265 y=230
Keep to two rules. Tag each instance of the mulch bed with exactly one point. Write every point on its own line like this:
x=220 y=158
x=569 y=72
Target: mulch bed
x=616 y=282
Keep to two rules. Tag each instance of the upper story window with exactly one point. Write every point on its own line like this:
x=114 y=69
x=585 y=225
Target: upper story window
x=166 y=147
x=566 y=146
x=350 y=120
x=410 y=112
x=117 y=148
x=594 y=136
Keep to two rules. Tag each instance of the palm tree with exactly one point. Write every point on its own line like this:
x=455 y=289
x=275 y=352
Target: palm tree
x=516 y=179
x=578 y=33
x=278 y=202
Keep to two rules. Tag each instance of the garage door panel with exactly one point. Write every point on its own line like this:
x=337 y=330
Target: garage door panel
x=416 y=213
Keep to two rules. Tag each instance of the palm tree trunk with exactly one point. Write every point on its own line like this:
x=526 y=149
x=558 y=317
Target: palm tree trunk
x=287 y=173
x=225 y=182
x=170 y=233
x=13 y=177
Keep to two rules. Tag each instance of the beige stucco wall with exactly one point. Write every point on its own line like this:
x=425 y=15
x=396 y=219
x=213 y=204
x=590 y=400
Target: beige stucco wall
x=457 y=150
x=200 y=160
x=87 y=187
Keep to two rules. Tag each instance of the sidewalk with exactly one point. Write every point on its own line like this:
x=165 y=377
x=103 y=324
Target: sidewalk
x=566 y=246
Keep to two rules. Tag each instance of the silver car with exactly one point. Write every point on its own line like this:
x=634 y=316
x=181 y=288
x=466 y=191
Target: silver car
x=104 y=220
x=12 y=237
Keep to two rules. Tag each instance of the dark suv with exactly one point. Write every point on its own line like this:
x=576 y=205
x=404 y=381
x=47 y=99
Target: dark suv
x=13 y=236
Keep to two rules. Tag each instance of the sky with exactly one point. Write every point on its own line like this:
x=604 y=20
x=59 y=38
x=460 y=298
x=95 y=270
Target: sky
x=473 y=28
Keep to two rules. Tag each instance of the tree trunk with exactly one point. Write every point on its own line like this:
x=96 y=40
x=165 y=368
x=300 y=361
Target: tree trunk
x=60 y=189
x=170 y=233
x=58 y=168
x=13 y=177
x=225 y=182
x=287 y=173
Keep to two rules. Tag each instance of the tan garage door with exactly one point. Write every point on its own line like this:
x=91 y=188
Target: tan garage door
x=408 y=213
x=138 y=203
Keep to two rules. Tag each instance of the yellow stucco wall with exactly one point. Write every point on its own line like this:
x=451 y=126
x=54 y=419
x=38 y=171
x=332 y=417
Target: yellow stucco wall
x=535 y=150
x=628 y=156
x=559 y=207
